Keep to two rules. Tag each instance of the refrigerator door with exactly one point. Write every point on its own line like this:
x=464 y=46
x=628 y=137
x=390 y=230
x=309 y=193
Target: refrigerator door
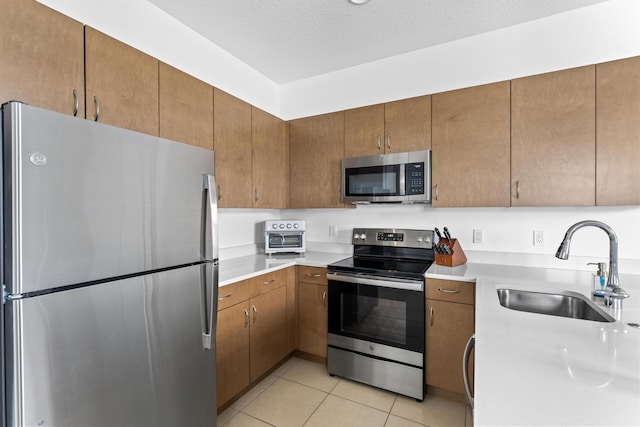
x=85 y=201
x=126 y=353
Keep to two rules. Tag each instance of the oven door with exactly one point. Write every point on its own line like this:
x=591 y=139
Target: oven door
x=374 y=183
x=388 y=312
x=283 y=241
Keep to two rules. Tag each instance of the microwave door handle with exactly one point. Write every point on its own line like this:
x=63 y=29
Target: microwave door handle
x=402 y=182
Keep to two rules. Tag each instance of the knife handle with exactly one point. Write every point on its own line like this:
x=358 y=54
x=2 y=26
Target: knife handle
x=438 y=233
x=446 y=233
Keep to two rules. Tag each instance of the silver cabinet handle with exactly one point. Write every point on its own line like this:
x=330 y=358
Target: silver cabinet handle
x=379 y=143
x=246 y=317
x=255 y=313
x=388 y=140
x=316 y=275
x=431 y=316
x=465 y=369
x=268 y=282
x=436 y=192
x=75 y=103
x=448 y=291
x=97 y=104
x=219 y=192
x=517 y=189
x=225 y=297
x=255 y=195
x=324 y=298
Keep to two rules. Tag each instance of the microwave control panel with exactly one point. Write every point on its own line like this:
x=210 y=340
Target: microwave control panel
x=414 y=178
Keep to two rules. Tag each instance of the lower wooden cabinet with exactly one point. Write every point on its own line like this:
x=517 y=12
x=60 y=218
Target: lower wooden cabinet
x=251 y=335
x=312 y=311
x=232 y=351
x=267 y=333
x=450 y=313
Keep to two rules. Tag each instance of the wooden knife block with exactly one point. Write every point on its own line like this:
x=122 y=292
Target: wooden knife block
x=457 y=256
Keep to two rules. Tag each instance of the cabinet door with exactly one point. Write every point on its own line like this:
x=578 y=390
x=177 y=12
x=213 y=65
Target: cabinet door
x=407 y=125
x=186 y=108
x=317 y=149
x=232 y=351
x=448 y=327
x=471 y=146
x=553 y=139
x=364 y=131
x=618 y=132
x=232 y=145
x=268 y=331
x=270 y=145
x=122 y=84
x=312 y=322
x=42 y=55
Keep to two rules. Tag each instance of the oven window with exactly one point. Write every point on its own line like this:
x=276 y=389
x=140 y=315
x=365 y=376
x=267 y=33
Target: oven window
x=389 y=316
x=373 y=181
x=284 y=240
x=374 y=318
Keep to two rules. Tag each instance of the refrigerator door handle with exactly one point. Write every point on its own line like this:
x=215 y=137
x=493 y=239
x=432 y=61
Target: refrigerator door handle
x=209 y=242
x=209 y=254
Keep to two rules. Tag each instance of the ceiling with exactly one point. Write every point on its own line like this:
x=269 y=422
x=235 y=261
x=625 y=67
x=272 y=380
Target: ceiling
x=288 y=40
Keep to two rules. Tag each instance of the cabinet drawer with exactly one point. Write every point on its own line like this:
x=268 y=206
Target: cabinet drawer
x=451 y=290
x=317 y=275
x=232 y=294
x=268 y=282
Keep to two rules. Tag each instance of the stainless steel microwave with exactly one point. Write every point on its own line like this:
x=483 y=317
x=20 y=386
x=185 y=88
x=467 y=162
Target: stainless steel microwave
x=387 y=178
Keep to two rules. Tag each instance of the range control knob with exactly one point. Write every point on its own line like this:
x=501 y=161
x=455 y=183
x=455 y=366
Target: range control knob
x=295 y=225
x=363 y=236
x=281 y=225
x=274 y=226
x=288 y=225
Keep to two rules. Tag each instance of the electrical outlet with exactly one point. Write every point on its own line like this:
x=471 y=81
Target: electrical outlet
x=478 y=235
x=538 y=238
x=333 y=231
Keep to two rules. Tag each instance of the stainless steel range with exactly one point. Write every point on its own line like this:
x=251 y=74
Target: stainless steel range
x=376 y=309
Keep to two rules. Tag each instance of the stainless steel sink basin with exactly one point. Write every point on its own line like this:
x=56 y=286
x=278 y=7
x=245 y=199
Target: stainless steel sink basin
x=560 y=303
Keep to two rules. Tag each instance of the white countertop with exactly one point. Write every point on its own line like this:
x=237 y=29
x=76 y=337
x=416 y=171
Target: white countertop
x=530 y=369
x=534 y=369
x=241 y=268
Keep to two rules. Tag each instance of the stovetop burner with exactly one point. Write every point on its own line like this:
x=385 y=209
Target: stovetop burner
x=394 y=253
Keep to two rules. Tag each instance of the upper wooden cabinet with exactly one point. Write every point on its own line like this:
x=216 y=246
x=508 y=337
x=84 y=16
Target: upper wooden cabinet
x=270 y=154
x=122 y=84
x=393 y=127
x=232 y=145
x=553 y=139
x=316 y=152
x=42 y=55
x=186 y=108
x=364 y=131
x=471 y=146
x=618 y=132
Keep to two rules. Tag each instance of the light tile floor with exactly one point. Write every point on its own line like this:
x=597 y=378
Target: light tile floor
x=301 y=393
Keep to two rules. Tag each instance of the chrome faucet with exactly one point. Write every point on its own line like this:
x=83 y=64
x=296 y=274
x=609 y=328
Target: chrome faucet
x=613 y=294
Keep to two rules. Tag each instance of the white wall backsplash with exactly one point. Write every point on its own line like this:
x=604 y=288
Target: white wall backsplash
x=508 y=232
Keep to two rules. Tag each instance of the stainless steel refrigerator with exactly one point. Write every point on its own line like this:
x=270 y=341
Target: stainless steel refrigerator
x=109 y=267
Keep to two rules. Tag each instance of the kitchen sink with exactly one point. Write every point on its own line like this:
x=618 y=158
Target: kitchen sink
x=560 y=303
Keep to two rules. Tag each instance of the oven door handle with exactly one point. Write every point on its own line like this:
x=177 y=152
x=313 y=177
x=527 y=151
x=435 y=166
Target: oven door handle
x=410 y=285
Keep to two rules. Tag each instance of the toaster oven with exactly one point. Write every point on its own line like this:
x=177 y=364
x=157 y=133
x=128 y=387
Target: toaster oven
x=284 y=236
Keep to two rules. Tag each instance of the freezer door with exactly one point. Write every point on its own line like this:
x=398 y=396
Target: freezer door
x=85 y=201
x=127 y=353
